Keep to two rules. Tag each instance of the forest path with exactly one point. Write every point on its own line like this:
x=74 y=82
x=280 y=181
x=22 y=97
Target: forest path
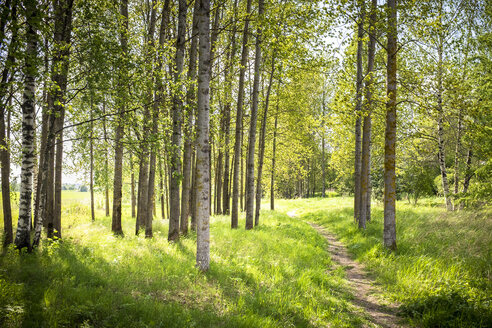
x=363 y=287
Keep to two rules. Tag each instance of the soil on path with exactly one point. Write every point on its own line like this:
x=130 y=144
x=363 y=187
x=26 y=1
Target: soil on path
x=363 y=287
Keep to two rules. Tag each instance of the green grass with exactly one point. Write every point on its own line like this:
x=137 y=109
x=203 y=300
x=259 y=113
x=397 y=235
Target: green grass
x=273 y=276
x=440 y=275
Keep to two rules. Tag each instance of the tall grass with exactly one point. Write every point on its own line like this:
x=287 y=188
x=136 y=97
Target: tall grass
x=273 y=276
x=440 y=275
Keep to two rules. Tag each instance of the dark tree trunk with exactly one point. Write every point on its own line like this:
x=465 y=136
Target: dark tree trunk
x=188 y=130
x=227 y=113
x=239 y=118
x=250 y=181
x=272 y=175
x=261 y=154
x=174 y=219
x=161 y=188
x=118 y=152
x=62 y=37
x=6 y=78
x=358 y=114
x=365 y=189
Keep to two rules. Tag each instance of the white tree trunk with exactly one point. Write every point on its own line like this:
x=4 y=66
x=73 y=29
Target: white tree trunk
x=203 y=146
x=22 y=238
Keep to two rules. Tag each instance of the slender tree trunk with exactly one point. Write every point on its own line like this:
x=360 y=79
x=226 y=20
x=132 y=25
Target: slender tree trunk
x=440 y=130
x=5 y=162
x=22 y=238
x=106 y=161
x=203 y=177
x=133 y=196
x=63 y=33
x=174 y=225
x=261 y=155
x=188 y=130
x=250 y=181
x=7 y=76
x=242 y=172
x=457 y=155
x=365 y=201
x=274 y=150
x=118 y=152
x=161 y=188
x=144 y=200
x=239 y=118
x=143 y=189
x=468 y=172
x=227 y=113
x=389 y=233
x=323 y=146
x=193 y=193
x=91 y=173
x=358 y=110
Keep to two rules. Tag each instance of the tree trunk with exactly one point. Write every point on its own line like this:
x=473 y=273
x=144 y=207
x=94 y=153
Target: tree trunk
x=261 y=154
x=161 y=188
x=272 y=176
x=7 y=76
x=250 y=181
x=133 y=196
x=91 y=173
x=63 y=33
x=365 y=201
x=227 y=112
x=188 y=130
x=440 y=131
x=389 y=233
x=174 y=225
x=143 y=189
x=193 y=192
x=323 y=166
x=22 y=238
x=118 y=152
x=468 y=172
x=203 y=152
x=457 y=155
x=239 y=118
x=358 y=114
x=144 y=200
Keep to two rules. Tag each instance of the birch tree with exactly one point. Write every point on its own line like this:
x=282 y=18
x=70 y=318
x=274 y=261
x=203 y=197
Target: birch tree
x=203 y=146
x=22 y=237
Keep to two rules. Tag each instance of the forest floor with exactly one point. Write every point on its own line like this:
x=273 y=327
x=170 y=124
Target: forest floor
x=441 y=273
x=281 y=274
x=363 y=287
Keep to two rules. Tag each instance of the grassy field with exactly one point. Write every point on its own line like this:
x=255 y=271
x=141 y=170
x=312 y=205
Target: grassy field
x=441 y=274
x=273 y=276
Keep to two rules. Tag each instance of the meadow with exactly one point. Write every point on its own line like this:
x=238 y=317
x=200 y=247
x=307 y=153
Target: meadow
x=277 y=275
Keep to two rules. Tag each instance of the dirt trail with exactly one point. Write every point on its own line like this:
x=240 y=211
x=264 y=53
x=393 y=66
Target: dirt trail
x=381 y=315
x=363 y=287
